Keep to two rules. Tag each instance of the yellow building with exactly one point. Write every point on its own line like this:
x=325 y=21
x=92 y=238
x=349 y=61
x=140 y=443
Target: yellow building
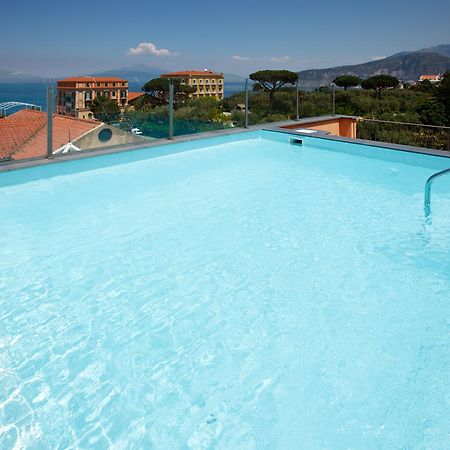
x=207 y=83
x=74 y=95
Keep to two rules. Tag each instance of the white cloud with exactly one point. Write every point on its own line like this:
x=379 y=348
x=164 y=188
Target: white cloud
x=272 y=59
x=376 y=58
x=277 y=59
x=147 y=48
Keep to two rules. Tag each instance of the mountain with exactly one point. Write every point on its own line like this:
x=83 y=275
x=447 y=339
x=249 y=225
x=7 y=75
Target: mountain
x=8 y=76
x=406 y=66
x=232 y=78
x=443 y=50
x=143 y=73
x=139 y=73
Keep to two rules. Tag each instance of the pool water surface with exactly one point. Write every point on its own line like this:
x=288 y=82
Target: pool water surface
x=238 y=293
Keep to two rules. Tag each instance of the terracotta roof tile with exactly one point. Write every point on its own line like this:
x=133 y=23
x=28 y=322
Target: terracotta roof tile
x=134 y=95
x=92 y=79
x=429 y=77
x=24 y=134
x=192 y=73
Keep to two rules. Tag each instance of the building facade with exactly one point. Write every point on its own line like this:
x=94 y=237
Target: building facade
x=74 y=95
x=431 y=78
x=207 y=83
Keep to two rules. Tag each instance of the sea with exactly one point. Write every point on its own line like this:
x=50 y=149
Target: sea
x=35 y=93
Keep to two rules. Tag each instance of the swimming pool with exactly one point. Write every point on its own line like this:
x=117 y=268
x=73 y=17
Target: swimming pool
x=232 y=293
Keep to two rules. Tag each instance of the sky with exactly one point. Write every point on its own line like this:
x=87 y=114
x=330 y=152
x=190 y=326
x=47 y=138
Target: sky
x=54 y=38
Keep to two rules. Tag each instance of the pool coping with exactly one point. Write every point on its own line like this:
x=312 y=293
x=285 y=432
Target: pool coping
x=384 y=145
x=7 y=166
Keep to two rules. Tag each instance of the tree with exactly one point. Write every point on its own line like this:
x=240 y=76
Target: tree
x=143 y=103
x=158 y=91
x=379 y=83
x=271 y=81
x=104 y=109
x=202 y=109
x=424 y=86
x=347 y=81
x=443 y=96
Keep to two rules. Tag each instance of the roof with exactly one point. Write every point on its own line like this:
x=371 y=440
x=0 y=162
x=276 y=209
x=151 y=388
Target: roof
x=92 y=79
x=429 y=77
x=134 y=95
x=24 y=133
x=188 y=73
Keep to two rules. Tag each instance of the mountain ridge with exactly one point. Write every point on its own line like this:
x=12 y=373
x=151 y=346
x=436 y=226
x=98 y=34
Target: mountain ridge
x=10 y=76
x=407 y=66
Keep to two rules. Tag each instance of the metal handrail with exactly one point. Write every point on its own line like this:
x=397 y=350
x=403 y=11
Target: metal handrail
x=427 y=200
x=437 y=128
x=411 y=124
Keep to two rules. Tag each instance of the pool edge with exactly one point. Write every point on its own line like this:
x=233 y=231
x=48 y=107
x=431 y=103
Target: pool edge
x=8 y=166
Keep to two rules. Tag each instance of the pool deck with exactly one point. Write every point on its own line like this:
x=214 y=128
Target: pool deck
x=6 y=166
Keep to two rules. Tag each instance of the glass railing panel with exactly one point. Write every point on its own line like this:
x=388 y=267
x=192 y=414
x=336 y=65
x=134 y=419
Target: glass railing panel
x=23 y=120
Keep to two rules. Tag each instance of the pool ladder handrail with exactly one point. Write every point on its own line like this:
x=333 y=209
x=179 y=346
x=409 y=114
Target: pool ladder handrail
x=427 y=199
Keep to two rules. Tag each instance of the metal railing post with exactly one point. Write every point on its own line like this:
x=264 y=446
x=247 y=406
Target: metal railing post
x=170 y=109
x=50 y=121
x=246 y=104
x=297 y=116
x=334 y=98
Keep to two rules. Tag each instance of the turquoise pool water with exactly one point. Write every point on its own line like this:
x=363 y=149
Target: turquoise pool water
x=239 y=293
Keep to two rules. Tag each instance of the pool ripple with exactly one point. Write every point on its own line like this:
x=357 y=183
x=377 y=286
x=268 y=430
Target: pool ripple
x=243 y=296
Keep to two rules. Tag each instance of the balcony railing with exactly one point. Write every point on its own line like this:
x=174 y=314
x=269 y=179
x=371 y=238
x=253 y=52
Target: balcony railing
x=406 y=133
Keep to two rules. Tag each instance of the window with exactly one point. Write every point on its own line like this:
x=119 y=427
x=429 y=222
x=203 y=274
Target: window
x=114 y=84
x=113 y=94
x=98 y=84
x=105 y=135
x=123 y=84
x=194 y=81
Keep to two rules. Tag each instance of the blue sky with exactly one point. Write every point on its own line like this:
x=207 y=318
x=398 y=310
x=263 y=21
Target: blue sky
x=56 y=37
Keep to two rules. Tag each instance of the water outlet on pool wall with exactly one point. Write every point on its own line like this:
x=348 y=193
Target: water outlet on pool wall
x=296 y=141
